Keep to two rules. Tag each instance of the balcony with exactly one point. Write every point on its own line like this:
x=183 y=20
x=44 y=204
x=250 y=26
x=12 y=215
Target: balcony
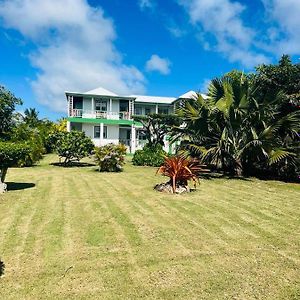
x=97 y=114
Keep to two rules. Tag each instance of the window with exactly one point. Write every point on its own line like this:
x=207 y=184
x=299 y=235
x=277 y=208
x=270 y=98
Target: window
x=147 y=111
x=163 y=110
x=138 y=110
x=100 y=105
x=124 y=105
x=97 y=132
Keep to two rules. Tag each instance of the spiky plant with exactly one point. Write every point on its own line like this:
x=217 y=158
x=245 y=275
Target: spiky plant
x=180 y=170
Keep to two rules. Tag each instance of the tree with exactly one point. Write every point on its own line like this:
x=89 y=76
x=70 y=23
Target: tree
x=31 y=117
x=10 y=154
x=237 y=128
x=73 y=146
x=285 y=77
x=34 y=138
x=156 y=127
x=8 y=102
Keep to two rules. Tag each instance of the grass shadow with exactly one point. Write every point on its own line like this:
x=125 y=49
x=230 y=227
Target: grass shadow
x=73 y=165
x=2 y=268
x=210 y=176
x=15 y=186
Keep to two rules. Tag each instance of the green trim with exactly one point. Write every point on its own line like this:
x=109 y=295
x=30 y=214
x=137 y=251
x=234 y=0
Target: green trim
x=104 y=121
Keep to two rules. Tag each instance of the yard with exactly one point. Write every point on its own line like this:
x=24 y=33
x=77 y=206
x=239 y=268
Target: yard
x=75 y=233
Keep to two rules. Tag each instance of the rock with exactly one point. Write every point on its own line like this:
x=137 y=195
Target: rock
x=3 y=187
x=167 y=188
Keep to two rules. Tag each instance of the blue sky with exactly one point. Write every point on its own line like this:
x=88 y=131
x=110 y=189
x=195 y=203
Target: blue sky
x=154 y=47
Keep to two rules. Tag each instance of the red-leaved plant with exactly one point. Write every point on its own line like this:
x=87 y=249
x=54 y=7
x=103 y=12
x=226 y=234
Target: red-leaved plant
x=180 y=170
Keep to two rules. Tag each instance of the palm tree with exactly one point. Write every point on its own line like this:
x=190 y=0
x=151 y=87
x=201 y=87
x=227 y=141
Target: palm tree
x=31 y=117
x=236 y=128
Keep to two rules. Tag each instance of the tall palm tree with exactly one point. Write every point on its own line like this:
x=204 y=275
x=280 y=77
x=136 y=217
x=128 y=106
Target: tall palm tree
x=236 y=129
x=31 y=117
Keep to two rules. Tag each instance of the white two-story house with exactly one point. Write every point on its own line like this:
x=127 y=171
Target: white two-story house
x=107 y=117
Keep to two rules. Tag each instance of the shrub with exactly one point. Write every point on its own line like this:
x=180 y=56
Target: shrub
x=110 y=158
x=180 y=170
x=149 y=156
x=73 y=146
x=10 y=154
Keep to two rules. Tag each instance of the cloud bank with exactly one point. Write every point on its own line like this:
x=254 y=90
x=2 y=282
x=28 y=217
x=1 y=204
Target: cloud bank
x=74 y=49
x=222 y=19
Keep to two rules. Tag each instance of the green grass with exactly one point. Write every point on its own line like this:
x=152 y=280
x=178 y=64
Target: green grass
x=80 y=234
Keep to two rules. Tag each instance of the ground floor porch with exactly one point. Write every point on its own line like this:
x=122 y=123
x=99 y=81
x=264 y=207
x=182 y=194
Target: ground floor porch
x=132 y=136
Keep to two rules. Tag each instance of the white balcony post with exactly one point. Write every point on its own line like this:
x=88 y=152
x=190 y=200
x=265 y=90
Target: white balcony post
x=133 y=139
x=110 y=105
x=156 y=108
x=101 y=134
x=93 y=104
x=68 y=126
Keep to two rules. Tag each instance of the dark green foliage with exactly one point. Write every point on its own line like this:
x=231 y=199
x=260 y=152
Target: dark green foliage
x=31 y=117
x=72 y=146
x=285 y=77
x=157 y=126
x=110 y=158
x=10 y=155
x=240 y=130
x=149 y=156
x=8 y=103
x=33 y=138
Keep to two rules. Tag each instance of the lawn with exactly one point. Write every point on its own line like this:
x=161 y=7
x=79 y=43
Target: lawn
x=73 y=233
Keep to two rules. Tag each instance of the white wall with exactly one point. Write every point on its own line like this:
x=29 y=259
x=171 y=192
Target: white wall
x=112 y=133
x=88 y=129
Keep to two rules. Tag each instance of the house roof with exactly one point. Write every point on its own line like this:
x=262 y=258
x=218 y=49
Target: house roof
x=191 y=95
x=101 y=92
x=153 y=99
x=188 y=95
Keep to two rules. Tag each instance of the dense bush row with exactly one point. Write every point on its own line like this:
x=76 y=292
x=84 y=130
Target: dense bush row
x=149 y=156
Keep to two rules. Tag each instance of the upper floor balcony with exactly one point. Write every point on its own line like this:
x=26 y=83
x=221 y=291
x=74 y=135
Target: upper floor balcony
x=113 y=108
x=98 y=114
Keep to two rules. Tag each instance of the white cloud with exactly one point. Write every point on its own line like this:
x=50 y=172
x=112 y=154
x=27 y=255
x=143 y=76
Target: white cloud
x=156 y=63
x=285 y=35
x=222 y=19
x=176 y=31
x=144 y=4
x=75 y=48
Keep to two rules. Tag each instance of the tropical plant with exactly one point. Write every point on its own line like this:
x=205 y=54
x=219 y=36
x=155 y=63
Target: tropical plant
x=238 y=129
x=110 y=158
x=180 y=170
x=10 y=154
x=284 y=76
x=33 y=138
x=149 y=156
x=72 y=146
x=156 y=127
x=31 y=117
x=8 y=102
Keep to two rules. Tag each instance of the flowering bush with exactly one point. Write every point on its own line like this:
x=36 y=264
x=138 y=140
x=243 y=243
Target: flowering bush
x=110 y=158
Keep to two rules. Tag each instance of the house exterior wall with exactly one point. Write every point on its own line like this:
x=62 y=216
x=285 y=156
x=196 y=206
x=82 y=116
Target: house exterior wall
x=112 y=134
x=83 y=116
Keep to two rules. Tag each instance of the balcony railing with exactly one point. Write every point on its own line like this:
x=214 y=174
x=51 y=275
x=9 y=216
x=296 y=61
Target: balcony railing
x=97 y=114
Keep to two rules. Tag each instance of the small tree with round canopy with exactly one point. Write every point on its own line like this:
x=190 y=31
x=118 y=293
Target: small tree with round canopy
x=10 y=154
